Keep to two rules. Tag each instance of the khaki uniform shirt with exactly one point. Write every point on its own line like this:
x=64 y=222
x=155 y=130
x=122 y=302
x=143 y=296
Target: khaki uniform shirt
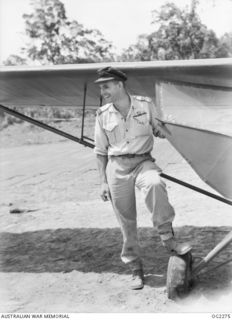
x=115 y=135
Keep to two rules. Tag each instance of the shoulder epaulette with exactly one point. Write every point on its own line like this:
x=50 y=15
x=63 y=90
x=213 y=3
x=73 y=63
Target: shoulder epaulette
x=141 y=98
x=102 y=109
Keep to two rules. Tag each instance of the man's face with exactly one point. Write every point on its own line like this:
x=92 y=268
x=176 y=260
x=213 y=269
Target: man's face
x=110 y=91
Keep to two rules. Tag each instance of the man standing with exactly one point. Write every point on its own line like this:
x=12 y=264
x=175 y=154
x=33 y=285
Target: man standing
x=124 y=136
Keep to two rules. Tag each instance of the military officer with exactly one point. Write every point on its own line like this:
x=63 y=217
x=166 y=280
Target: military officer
x=124 y=135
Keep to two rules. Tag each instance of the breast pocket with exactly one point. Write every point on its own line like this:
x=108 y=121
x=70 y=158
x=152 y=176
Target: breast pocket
x=112 y=131
x=141 y=125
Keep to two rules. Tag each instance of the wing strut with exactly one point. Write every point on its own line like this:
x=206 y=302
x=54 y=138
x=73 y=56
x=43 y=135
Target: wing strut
x=90 y=145
x=83 y=115
x=83 y=111
x=45 y=126
x=190 y=186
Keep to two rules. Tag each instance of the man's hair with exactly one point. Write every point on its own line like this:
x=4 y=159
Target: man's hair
x=123 y=83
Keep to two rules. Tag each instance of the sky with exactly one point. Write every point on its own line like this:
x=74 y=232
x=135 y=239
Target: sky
x=120 y=21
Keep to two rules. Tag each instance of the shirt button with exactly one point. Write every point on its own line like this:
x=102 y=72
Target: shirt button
x=126 y=130
x=127 y=142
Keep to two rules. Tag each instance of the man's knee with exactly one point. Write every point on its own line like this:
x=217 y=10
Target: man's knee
x=152 y=179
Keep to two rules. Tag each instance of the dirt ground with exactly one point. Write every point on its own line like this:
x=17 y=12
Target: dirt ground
x=60 y=250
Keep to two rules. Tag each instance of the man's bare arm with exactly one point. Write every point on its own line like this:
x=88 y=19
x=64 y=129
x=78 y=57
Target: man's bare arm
x=102 y=163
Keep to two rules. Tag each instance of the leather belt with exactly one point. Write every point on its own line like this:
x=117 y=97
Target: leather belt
x=131 y=155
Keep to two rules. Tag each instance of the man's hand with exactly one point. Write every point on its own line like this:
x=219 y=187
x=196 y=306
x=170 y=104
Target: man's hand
x=159 y=131
x=105 y=192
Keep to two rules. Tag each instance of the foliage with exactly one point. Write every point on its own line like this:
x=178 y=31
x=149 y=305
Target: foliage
x=54 y=39
x=225 y=46
x=15 y=60
x=179 y=34
x=49 y=115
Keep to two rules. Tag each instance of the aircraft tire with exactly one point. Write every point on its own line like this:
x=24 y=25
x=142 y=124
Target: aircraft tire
x=179 y=278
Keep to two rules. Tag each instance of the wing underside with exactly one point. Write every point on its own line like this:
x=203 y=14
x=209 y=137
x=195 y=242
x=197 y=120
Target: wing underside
x=65 y=85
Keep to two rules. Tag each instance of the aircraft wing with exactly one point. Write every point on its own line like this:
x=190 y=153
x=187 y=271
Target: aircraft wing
x=197 y=93
x=65 y=85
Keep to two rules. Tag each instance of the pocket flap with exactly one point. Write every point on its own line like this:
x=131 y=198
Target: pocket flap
x=110 y=126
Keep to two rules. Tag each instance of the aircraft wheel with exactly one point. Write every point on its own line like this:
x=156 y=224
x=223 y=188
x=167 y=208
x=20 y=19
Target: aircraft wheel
x=179 y=278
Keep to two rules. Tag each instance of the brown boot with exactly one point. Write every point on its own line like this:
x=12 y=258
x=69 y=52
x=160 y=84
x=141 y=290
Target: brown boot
x=179 y=248
x=137 y=281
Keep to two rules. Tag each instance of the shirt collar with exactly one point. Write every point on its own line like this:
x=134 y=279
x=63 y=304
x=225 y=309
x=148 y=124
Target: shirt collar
x=134 y=104
x=112 y=108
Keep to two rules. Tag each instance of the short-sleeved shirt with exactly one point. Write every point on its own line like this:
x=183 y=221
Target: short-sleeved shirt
x=115 y=135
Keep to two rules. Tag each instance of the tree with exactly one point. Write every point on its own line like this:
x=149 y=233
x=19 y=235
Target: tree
x=225 y=46
x=139 y=51
x=54 y=39
x=179 y=34
x=15 y=60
